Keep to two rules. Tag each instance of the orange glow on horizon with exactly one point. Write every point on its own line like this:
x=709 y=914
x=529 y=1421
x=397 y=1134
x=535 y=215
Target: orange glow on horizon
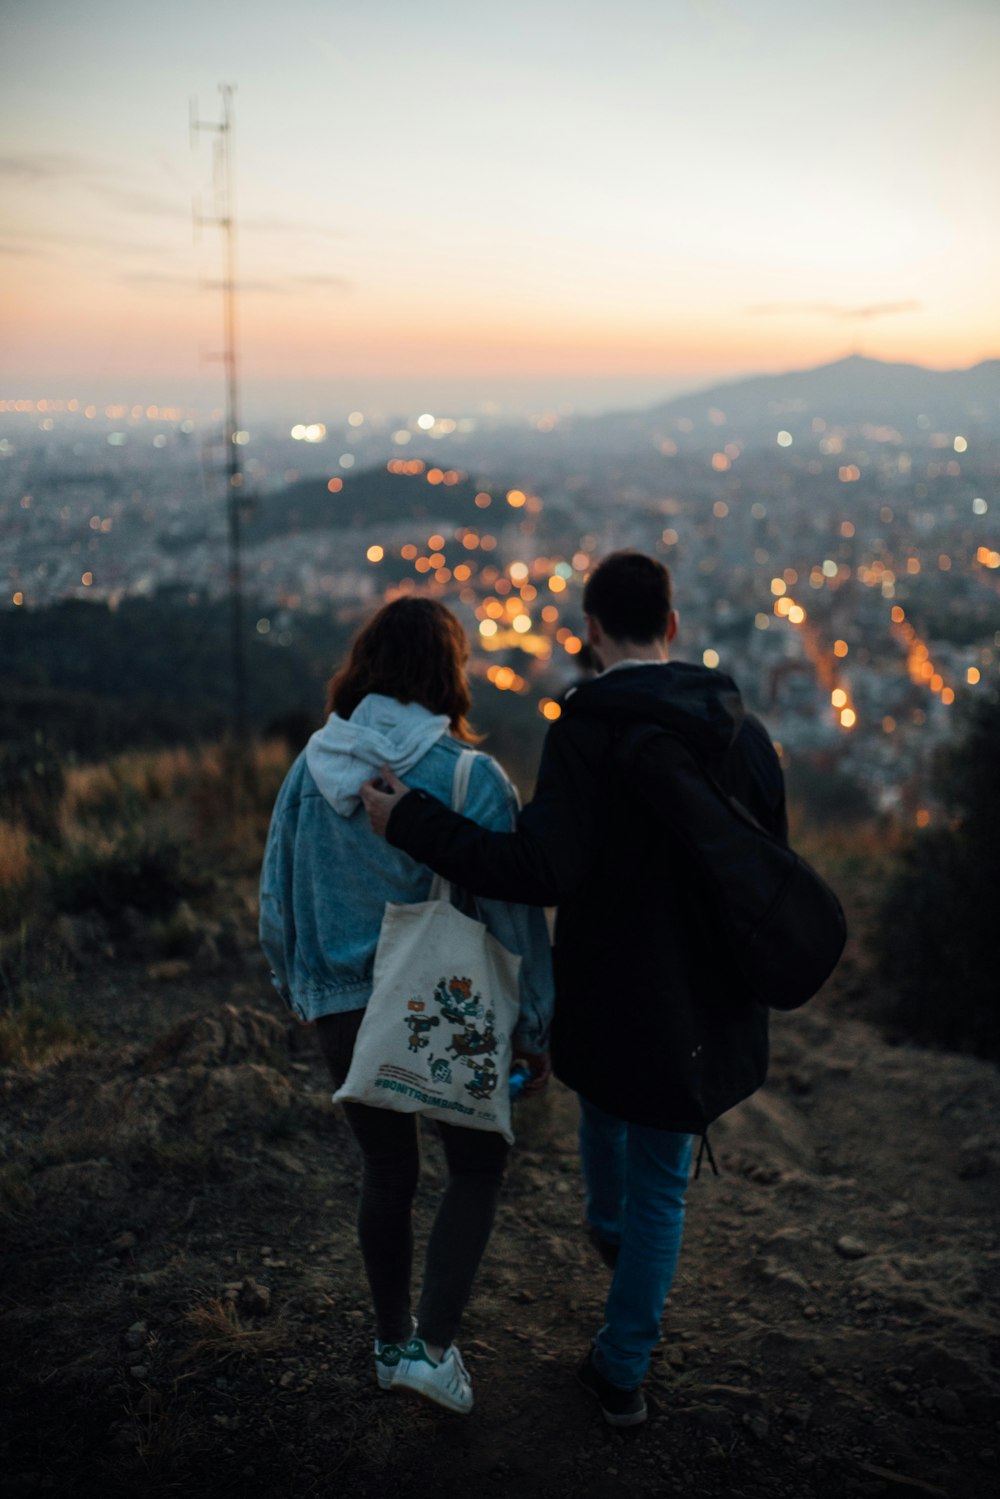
x=564 y=271
x=54 y=324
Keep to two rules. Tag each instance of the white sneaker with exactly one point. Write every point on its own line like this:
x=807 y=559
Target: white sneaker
x=387 y=1357
x=446 y=1383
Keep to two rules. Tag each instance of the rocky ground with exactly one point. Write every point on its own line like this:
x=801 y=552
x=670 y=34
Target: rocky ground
x=184 y=1309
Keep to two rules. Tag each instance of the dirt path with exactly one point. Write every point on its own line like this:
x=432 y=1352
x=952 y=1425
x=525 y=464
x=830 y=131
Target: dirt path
x=185 y=1313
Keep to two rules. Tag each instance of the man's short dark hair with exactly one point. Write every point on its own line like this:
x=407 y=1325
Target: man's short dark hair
x=629 y=593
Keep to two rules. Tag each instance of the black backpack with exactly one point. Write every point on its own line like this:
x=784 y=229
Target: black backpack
x=784 y=925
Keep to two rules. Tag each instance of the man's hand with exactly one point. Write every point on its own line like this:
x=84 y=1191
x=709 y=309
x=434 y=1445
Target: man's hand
x=541 y=1070
x=380 y=795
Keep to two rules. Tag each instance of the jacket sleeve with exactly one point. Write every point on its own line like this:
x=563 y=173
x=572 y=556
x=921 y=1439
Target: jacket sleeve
x=544 y=858
x=277 y=911
x=522 y=929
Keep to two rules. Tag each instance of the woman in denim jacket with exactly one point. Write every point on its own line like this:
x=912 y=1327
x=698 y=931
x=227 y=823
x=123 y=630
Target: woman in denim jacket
x=401 y=700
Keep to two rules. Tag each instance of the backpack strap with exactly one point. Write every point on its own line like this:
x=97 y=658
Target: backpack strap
x=631 y=738
x=705 y=1148
x=461 y=778
x=440 y=887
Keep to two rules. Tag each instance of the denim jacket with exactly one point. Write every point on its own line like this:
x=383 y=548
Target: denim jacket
x=327 y=877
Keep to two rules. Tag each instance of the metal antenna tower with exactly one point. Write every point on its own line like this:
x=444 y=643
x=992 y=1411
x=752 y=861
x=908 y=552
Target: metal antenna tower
x=224 y=218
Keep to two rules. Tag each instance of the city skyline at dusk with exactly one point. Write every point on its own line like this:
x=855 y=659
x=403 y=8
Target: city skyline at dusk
x=547 y=205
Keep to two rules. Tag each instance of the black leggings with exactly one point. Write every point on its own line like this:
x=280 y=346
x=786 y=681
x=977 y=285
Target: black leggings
x=390 y=1151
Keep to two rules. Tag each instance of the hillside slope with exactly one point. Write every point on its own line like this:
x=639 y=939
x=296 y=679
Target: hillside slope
x=184 y=1308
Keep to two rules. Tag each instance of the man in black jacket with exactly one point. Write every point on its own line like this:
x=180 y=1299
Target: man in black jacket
x=652 y=1026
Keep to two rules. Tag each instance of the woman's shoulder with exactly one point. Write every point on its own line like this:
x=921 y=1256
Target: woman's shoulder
x=491 y=796
x=489 y=771
x=297 y=782
x=434 y=773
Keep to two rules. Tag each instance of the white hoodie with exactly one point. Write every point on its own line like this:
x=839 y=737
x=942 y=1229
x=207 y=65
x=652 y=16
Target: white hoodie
x=346 y=752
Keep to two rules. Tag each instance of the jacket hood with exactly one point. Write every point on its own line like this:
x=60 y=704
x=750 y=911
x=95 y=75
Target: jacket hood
x=701 y=704
x=346 y=752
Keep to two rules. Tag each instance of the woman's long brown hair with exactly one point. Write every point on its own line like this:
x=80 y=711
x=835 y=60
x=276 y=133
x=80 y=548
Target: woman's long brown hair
x=414 y=650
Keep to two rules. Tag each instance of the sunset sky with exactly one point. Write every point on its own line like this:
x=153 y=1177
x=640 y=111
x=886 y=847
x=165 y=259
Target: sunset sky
x=534 y=203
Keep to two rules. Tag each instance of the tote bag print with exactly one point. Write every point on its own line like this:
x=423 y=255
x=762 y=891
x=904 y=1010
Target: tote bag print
x=435 y=1038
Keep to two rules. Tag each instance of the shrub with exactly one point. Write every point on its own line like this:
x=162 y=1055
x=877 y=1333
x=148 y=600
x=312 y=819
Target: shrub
x=827 y=797
x=937 y=929
x=134 y=871
x=32 y=782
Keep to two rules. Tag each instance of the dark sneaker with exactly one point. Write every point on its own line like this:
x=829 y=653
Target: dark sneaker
x=605 y=1247
x=618 y=1407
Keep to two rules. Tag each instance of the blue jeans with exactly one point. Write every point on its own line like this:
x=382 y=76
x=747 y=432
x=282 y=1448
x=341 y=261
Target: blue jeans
x=635 y=1177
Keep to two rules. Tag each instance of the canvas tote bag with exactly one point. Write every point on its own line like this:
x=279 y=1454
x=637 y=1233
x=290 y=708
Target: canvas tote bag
x=436 y=1034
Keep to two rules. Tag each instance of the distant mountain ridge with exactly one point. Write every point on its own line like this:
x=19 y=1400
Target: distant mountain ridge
x=849 y=392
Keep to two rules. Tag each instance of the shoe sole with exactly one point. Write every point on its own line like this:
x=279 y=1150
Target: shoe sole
x=431 y=1397
x=614 y=1418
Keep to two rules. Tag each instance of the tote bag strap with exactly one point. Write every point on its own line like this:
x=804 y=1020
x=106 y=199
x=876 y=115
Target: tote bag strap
x=440 y=887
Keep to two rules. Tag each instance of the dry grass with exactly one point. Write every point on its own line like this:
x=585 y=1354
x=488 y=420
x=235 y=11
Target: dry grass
x=211 y=796
x=217 y=1333
x=88 y=787
x=165 y=823
x=159 y=1433
x=152 y=774
x=30 y=1037
x=15 y=856
x=867 y=849
x=186 y=1160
